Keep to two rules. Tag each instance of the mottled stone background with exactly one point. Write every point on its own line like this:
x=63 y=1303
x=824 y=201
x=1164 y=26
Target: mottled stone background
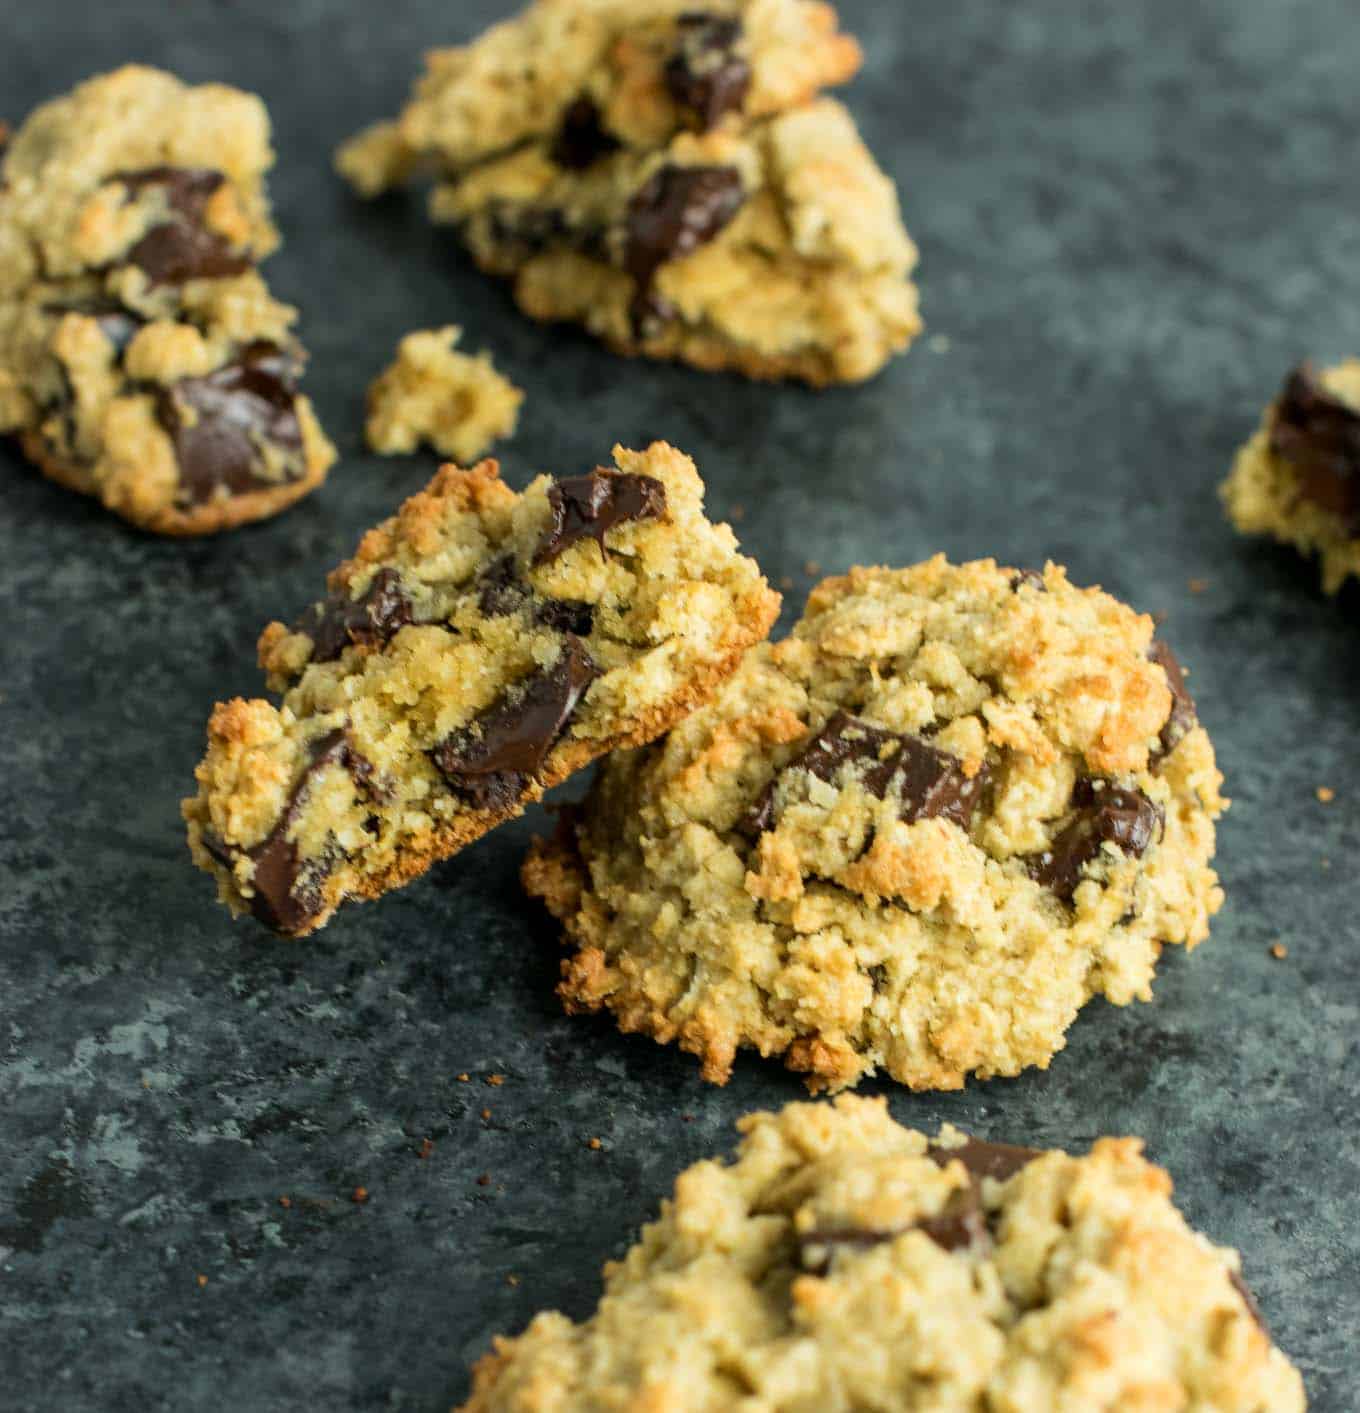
x=1132 y=219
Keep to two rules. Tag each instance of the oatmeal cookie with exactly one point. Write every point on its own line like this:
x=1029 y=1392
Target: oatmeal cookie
x=479 y=648
x=673 y=182
x=1298 y=478
x=456 y=403
x=142 y=358
x=844 y=1262
x=916 y=836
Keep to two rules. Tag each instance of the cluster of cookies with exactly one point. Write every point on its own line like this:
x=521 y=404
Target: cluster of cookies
x=912 y=837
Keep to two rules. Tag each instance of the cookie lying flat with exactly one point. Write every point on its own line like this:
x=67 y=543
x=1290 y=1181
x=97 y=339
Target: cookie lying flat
x=917 y=835
x=142 y=358
x=669 y=180
x=456 y=403
x=479 y=647
x=1298 y=478
x=843 y=1262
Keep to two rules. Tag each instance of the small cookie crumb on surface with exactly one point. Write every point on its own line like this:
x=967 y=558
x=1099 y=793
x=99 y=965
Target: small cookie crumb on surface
x=1279 y=951
x=455 y=402
x=1298 y=478
x=844 y=1262
x=1325 y=794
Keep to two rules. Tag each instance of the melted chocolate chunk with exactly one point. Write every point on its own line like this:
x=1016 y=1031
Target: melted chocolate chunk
x=182 y=248
x=588 y=507
x=582 y=140
x=117 y=324
x=1183 y=718
x=288 y=889
x=501 y=591
x=371 y=620
x=490 y=763
x=998 y=1161
x=232 y=414
x=1105 y=814
x=676 y=212
x=1319 y=435
x=706 y=76
x=928 y=783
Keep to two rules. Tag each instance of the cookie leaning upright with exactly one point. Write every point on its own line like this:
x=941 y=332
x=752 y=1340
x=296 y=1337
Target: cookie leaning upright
x=479 y=648
x=843 y=1262
x=142 y=359
x=916 y=836
x=1298 y=478
x=665 y=174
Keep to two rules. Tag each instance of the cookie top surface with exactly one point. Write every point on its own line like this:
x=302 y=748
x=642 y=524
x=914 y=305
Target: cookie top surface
x=478 y=648
x=142 y=358
x=1298 y=477
x=628 y=72
x=845 y=1262
x=916 y=835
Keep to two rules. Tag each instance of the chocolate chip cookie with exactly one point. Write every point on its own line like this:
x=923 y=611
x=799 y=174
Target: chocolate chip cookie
x=1298 y=478
x=479 y=648
x=454 y=402
x=844 y=1262
x=670 y=179
x=915 y=836
x=142 y=359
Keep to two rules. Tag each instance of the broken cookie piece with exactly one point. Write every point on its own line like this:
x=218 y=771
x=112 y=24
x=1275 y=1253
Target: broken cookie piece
x=915 y=836
x=142 y=359
x=1298 y=478
x=479 y=648
x=454 y=402
x=671 y=180
x=843 y=1262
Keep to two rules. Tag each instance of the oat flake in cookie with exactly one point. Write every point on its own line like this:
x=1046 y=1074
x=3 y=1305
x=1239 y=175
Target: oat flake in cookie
x=665 y=173
x=142 y=358
x=479 y=648
x=1298 y=478
x=915 y=836
x=842 y=1262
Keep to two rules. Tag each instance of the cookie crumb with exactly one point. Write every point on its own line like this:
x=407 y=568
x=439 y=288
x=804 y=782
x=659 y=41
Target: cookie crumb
x=486 y=1113
x=495 y=1080
x=512 y=1280
x=285 y=1201
x=359 y=1196
x=202 y=1281
x=463 y=1078
x=484 y=1180
x=812 y=568
x=786 y=582
x=426 y=1148
x=1279 y=951
x=595 y=1144
x=737 y=513
x=1197 y=586
x=457 y=404
x=1325 y=794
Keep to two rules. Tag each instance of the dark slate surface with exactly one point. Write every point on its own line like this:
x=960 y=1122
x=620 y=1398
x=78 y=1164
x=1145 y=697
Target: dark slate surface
x=1133 y=218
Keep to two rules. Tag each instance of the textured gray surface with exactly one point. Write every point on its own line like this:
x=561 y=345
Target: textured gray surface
x=1132 y=219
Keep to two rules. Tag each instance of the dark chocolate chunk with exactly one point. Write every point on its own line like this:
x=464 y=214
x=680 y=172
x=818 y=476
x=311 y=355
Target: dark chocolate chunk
x=706 y=76
x=1319 y=435
x=588 y=507
x=117 y=324
x=1249 y=1300
x=490 y=763
x=927 y=782
x=232 y=414
x=182 y=248
x=288 y=894
x=676 y=212
x=998 y=1161
x=1028 y=578
x=371 y=620
x=582 y=140
x=960 y=1223
x=818 y=1249
x=1183 y=718
x=1105 y=814
x=501 y=591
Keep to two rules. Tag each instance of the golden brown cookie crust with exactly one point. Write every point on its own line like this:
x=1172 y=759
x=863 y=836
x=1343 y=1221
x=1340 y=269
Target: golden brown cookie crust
x=847 y=929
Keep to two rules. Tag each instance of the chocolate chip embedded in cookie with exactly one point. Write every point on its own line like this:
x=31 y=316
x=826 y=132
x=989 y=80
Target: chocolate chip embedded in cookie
x=916 y=836
x=671 y=181
x=142 y=359
x=842 y=1261
x=479 y=648
x=1298 y=478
